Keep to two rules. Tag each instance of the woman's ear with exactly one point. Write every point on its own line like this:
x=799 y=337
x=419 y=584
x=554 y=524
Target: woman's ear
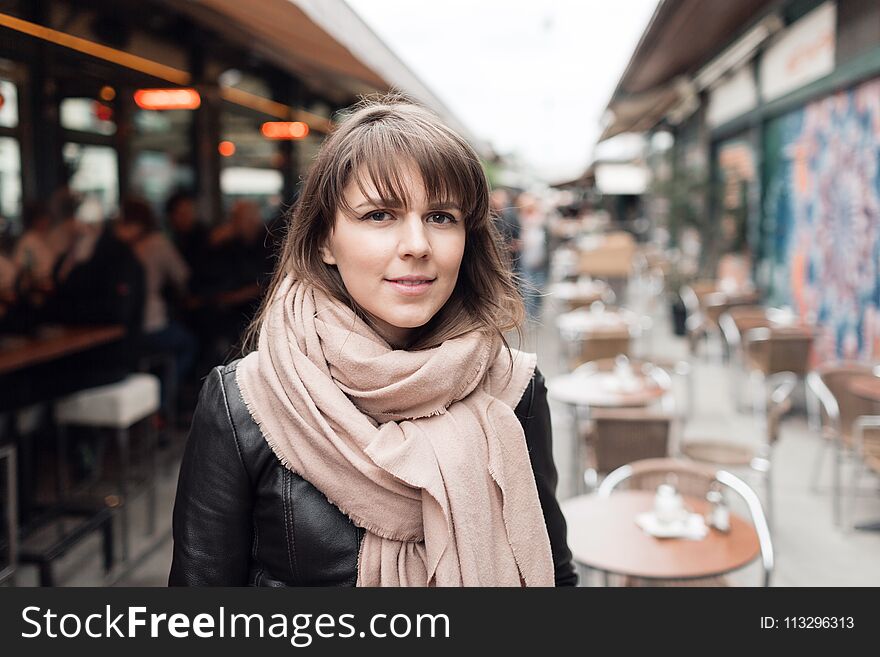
x=327 y=255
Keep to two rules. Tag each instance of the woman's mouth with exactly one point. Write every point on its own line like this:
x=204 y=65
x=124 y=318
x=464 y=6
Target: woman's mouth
x=410 y=286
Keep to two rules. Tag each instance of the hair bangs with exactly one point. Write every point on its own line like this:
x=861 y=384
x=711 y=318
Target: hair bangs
x=447 y=172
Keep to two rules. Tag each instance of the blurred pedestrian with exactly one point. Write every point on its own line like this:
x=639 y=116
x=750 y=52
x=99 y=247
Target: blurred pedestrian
x=534 y=255
x=508 y=223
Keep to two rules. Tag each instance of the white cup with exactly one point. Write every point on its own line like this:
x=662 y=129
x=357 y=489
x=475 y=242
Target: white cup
x=668 y=504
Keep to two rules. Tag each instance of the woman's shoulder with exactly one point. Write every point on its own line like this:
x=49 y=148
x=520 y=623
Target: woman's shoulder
x=221 y=412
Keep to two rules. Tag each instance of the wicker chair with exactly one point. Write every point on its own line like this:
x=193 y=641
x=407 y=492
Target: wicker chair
x=734 y=323
x=620 y=436
x=839 y=409
x=696 y=480
x=696 y=326
x=771 y=351
x=755 y=456
x=599 y=346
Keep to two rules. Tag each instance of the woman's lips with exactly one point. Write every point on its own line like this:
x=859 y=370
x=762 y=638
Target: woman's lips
x=410 y=288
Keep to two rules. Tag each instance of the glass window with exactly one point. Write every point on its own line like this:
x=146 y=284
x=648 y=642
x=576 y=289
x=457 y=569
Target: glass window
x=87 y=115
x=95 y=176
x=10 y=182
x=8 y=104
x=162 y=161
x=251 y=168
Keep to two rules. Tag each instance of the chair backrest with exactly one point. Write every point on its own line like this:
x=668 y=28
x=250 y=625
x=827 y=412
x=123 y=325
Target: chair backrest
x=781 y=385
x=690 y=297
x=717 y=304
x=694 y=479
x=621 y=436
x=772 y=351
x=601 y=346
x=739 y=319
x=839 y=407
x=866 y=435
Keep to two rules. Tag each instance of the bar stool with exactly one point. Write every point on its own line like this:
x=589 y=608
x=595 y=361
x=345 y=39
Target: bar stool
x=117 y=406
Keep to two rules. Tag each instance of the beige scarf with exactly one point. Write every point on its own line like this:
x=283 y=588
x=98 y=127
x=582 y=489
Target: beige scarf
x=422 y=449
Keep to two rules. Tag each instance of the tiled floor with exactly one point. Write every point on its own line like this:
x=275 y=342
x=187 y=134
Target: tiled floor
x=810 y=551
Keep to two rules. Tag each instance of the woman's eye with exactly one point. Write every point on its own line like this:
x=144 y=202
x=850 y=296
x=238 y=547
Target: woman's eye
x=378 y=215
x=441 y=218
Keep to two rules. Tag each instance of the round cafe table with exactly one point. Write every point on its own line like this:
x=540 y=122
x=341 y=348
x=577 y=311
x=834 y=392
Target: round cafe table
x=605 y=390
x=603 y=535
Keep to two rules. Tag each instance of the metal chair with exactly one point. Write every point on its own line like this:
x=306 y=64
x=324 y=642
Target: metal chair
x=600 y=346
x=838 y=410
x=771 y=351
x=730 y=454
x=586 y=346
x=734 y=323
x=866 y=435
x=695 y=479
x=621 y=436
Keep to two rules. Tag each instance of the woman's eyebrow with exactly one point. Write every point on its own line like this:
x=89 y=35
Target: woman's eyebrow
x=395 y=204
x=392 y=204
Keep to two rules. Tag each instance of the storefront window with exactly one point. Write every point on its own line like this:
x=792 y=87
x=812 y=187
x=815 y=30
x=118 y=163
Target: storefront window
x=737 y=173
x=10 y=182
x=162 y=161
x=95 y=177
x=87 y=115
x=251 y=167
x=8 y=104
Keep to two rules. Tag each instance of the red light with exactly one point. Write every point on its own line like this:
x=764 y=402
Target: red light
x=226 y=148
x=284 y=129
x=103 y=112
x=167 y=99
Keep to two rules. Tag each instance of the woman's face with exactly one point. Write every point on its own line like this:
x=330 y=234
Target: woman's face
x=400 y=264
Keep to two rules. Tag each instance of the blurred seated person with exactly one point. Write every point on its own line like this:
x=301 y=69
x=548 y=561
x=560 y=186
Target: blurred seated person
x=104 y=286
x=164 y=267
x=189 y=234
x=247 y=252
x=735 y=272
x=241 y=253
x=8 y=277
x=34 y=257
x=72 y=239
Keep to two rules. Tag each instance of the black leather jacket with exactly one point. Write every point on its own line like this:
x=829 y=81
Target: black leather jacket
x=243 y=519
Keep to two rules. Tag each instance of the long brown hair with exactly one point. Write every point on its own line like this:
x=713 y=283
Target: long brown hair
x=370 y=142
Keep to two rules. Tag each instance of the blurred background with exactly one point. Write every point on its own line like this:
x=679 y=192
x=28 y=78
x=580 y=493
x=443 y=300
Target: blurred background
x=689 y=192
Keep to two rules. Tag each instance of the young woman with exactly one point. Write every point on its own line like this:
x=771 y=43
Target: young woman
x=382 y=433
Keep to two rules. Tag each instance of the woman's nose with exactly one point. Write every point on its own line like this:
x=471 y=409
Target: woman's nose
x=413 y=239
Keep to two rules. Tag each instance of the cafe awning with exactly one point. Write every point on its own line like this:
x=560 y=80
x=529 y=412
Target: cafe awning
x=681 y=37
x=324 y=42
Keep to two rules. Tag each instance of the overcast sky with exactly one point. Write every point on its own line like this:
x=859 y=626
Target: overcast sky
x=529 y=77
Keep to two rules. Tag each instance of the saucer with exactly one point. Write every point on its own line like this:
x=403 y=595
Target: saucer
x=690 y=526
